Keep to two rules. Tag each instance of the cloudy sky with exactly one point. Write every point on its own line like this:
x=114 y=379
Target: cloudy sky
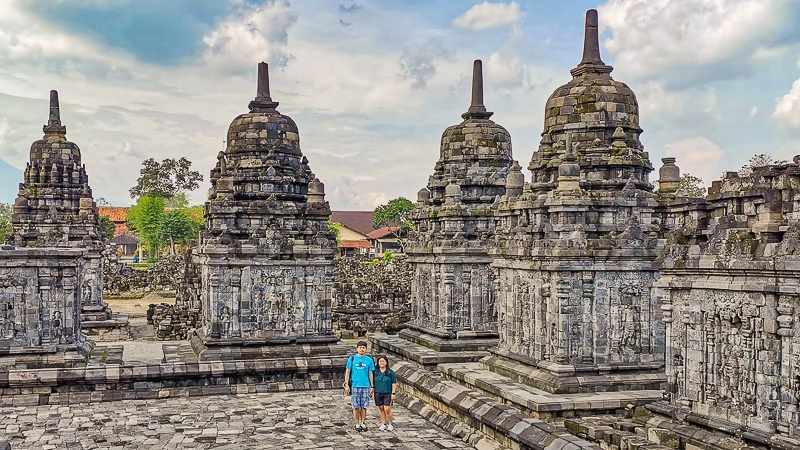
x=373 y=83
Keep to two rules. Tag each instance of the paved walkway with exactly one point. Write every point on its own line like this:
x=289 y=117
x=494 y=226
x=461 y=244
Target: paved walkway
x=292 y=420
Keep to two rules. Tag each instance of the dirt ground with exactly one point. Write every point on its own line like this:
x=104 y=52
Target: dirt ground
x=136 y=307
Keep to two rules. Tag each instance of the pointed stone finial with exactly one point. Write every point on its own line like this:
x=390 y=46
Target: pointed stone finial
x=54 y=120
x=55 y=114
x=263 y=101
x=591 y=40
x=591 y=61
x=477 y=110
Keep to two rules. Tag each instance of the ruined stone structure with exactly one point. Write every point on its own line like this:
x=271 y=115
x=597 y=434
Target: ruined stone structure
x=40 y=307
x=453 y=289
x=730 y=288
x=574 y=253
x=55 y=209
x=266 y=253
x=371 y=296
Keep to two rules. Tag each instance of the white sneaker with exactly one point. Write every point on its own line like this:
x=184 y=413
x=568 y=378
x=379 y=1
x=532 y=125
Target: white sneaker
x=383 y=427
x=390 y=427
x=358 y=427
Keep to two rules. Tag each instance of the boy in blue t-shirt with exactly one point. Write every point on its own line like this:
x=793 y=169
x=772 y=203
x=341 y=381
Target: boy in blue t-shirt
x=360 y=368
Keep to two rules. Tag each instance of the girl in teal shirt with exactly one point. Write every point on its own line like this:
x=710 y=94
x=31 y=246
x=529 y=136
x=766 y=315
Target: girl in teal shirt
x=385 y=392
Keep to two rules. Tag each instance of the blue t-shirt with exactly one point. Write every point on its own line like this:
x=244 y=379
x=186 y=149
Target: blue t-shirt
x=360 y=368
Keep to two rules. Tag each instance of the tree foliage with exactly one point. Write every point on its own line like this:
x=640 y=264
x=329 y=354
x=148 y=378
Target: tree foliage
x=336 y=227
x=107 y=227
x=166 y=179
x=396 y=215
x=759 y=160
x=145 y=218
x=176 y=228
x=690 y=186
x=5 y=221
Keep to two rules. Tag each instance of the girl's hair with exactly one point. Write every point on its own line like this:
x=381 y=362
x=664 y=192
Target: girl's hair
x=383 y=357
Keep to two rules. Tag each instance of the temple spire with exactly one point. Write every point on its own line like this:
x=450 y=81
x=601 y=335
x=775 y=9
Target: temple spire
x=55 y=114
x=263 y=101
x=591 y=40
x=54 y=126
x=591 y=62
x=477 y=110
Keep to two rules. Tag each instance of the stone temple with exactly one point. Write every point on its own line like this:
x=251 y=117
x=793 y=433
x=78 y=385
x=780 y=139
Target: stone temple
x=585 y=309
x=266 y=253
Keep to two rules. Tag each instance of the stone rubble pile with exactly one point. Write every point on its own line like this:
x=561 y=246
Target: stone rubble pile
x=172 y=322
x=120 y=279
x=372 y=296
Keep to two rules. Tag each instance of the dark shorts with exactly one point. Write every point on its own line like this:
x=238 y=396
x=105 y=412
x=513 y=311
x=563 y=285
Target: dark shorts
x=383 y=399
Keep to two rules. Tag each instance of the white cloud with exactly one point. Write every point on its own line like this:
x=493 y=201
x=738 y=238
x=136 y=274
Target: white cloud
x=787 y=109
x=490 y=15
x=698 y=156
x=254 y=33
x=649 y=37
x=753 y=111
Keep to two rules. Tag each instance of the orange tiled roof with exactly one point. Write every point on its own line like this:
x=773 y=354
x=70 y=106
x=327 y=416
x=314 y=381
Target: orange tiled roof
x=361 y=243
x=382 y=232
x=115 y=213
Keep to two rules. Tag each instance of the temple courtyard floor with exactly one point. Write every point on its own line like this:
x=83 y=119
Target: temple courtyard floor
x=288 y=420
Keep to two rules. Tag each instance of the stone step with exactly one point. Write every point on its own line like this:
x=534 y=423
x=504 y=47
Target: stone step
x=541 y=403
x=420 y=355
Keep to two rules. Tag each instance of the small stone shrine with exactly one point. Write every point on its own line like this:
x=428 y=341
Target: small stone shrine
x=453 y=288
x=55 y=209
x=40 y=308
x=574 y=254
x=266 y=254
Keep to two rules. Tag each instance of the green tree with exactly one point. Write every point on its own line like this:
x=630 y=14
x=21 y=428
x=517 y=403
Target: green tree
x=396 y=216
x=176 y=228
x=5 y=221
x=336 y=227
x=166 y=179
x=107 y=227
x=145 y=219
x=690 y=186
x=759 y=160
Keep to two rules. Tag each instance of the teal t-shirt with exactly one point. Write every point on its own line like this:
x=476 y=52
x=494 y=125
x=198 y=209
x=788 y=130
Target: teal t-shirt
x=384 y=380
x=360 y=367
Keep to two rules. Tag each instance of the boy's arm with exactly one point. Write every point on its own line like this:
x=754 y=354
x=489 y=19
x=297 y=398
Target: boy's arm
x=371 y=381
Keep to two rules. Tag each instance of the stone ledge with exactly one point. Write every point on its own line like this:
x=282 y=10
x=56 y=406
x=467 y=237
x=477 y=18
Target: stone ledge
x=500 y=422
x=425 y=357
x=540 y=403
x=415 y=335
x=600 y=380
x=182 y=371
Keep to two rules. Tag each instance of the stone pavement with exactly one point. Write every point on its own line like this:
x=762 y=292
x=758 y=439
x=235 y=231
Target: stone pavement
x=292 y=420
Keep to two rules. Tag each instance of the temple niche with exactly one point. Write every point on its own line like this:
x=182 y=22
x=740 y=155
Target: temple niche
x=266 y=255
x=55 y=209
x=453 y=288
x=573 y=252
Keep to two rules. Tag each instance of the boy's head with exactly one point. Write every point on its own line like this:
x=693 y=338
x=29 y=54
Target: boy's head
x=361 y=348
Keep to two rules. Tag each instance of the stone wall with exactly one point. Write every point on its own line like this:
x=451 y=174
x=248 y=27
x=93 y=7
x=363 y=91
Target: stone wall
x=730 y=287
x=371 y=296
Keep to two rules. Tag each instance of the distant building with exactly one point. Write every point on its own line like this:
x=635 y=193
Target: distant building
x=117 y=215
x=127 y=243
x=384 y=240
x=356 y=225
